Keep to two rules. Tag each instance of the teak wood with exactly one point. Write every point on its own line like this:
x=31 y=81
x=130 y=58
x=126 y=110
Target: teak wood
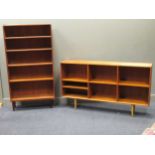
x=29 y=59
x=116 y=82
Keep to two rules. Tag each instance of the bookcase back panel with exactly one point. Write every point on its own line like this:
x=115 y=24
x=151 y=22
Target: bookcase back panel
x=31 y=72
x=29 y=57
x=103 y=73
x=74 y=71
x=28 y=43
x=34 y=30
x=134 y=74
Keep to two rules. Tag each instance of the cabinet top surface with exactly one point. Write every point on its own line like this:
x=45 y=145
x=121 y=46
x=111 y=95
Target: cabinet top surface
x=108 y=63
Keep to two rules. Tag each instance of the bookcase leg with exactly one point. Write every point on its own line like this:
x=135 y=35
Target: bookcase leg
x=132 y=110
x=14 y=106
x=75 y=103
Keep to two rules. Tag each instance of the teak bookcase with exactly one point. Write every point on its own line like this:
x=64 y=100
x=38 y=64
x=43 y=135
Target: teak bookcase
x=30 y=62
x=124 y=83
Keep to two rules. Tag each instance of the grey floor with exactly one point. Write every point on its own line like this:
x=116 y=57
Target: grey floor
x=89 y=118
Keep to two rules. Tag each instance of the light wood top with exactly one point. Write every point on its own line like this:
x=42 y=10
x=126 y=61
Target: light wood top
x=108 y=63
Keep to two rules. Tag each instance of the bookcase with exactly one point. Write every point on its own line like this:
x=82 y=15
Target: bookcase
x=115 y=82
x=29 y=57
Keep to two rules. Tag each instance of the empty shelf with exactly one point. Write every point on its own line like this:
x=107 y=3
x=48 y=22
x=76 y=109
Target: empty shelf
x=103 y=98
x=134 y=84
x=110 y=82
x=76 y=87
x=134 y=101
x=30 y=79
x=28 y=49
x=75 y=79
x=29 y=64
x=31 y=98
x=27 y=37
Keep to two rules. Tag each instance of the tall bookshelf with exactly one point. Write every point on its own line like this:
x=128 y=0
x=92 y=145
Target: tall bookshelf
x=115 y=82
x=29 y=59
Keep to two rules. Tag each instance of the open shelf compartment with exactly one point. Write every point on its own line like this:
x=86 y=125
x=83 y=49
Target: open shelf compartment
x=27 y=30
x=75 y=93
x=29 y=57
x=27 y=44
x=103 y=74
x=103 y=92
x=133 y=95
x=74 y=72
x=134 y=76
x=75 y=85
x=32 y=91
x=32 y=73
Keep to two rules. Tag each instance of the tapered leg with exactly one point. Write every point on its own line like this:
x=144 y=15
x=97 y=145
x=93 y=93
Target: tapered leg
x=75 y=103
x=14 y=106
x=132 y=110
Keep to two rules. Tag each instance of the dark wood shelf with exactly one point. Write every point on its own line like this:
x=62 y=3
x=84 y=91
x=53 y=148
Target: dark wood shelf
x=29 y=64
x=76 y=87
x=134 y=84
x=27 y=37
x=28 y=49
x=108 y=82
x=133 y=101
x=31 y=79
x=33 y=98
x=75 y=79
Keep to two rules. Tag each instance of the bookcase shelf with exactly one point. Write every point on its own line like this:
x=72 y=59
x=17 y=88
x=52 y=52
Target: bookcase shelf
x=30 y=62
x=115 y=82
x=26 y=37
x=28 y=90
x=29 y=50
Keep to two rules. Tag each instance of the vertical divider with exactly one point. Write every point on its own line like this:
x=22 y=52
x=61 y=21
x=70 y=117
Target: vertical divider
x=117 y=86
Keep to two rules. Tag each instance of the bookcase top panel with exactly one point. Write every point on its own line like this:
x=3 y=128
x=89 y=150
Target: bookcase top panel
x=108 y=63
x=27 y=25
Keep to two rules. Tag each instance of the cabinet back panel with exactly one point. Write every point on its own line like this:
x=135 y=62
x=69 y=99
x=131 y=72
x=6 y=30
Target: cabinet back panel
x=74 y=71
x=133 y=93
x=34 y=30
x=74 y=92
x=103 y=73
x=75 y=84
x=103 y=90
x=134 y=74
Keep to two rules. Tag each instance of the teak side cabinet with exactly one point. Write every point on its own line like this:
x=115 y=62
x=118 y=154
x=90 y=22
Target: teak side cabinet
x=30 y=62
x=117 y=82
